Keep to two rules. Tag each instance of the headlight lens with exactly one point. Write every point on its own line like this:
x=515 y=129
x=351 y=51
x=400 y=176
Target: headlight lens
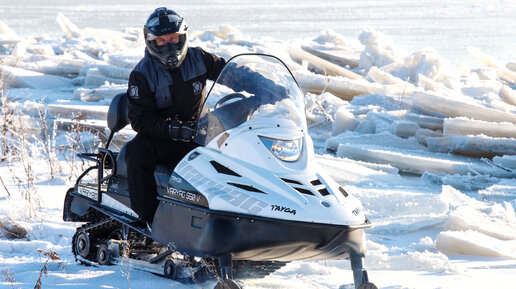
x=285 y=150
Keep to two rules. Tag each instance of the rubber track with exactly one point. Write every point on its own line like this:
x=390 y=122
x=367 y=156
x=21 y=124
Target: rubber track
x=101 y=229
x=96 y=230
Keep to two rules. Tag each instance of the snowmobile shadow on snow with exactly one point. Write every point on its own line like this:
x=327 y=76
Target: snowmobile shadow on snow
x=244 y=203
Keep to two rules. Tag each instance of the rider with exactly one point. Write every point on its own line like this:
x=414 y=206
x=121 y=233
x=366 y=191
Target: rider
x=165 y=91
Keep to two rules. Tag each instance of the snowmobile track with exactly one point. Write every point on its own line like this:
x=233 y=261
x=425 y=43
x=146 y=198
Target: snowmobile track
x=88 y=236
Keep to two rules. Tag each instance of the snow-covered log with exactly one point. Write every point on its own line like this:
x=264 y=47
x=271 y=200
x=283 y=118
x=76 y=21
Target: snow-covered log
x=387 y=139
x=422 y=134
x=27 y=124
x=18 y=77
x=342 y=87
x=503 y=73
x=71 y=111
x=97 y=127
x=339 y=163
x=458 y=108
x=418 y=162
x=469 y=242
x=47 y=65
x=417 y=109
x=479 y=146
x=404 y=129
x=114 y=72
x=125 y=61
x=7 y=35
x=511 y=66
x=94 y=78
x=340 y=57
x=392 y=84
x=429 y=84
x=344 y=121
x=5 y=29
x=384 y=77
x=8 y=39
x=507 y=161
x=345 y=170
x=466 y=126
x=97 y=94
x=508 y=95
x=425 y=121
x=473 y=216
x=70 y=29
x=322 y=66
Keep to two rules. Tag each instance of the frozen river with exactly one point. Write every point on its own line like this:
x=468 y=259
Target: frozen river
x=441 y=219
x=450 y=26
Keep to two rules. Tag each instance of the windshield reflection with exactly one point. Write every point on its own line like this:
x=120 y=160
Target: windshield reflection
x=250 y=87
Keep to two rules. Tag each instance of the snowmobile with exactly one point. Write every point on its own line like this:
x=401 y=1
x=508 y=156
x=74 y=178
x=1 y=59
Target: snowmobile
x=243 y=204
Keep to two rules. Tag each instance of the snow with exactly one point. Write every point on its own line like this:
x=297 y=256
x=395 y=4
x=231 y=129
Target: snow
x=426 y=144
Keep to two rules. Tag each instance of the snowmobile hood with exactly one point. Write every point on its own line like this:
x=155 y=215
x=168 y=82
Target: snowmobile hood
x=256 y=157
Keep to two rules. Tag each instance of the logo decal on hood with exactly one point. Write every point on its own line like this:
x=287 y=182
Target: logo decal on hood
x=282 y=209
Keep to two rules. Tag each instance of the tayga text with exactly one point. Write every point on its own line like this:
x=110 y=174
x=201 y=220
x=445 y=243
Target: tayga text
x=278 y=208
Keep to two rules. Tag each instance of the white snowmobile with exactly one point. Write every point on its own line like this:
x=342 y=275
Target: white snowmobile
x=247 y=201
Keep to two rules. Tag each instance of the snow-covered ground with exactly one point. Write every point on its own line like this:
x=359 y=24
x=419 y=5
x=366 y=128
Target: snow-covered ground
x=426 y=145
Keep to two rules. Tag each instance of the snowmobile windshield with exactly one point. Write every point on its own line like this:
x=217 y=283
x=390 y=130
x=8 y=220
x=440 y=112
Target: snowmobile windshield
x=251 y=88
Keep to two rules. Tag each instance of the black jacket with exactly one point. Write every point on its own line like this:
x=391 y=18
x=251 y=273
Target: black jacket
x=151 y=104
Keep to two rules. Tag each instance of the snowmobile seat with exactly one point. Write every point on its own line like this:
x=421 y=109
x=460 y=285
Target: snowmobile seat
x=162 y=173
x=117 y=117
x=121 y=169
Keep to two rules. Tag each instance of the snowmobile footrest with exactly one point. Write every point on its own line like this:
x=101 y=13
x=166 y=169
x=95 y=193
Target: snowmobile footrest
x=161 y=256
x=128 y=221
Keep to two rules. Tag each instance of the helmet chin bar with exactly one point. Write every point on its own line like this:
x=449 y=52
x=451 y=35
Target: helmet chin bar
x=172 y=61
x=169 y=55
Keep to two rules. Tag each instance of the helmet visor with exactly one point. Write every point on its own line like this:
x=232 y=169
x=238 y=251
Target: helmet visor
x=171 y=36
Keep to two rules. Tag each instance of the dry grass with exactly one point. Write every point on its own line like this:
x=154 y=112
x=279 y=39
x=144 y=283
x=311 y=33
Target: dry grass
x=8 y=276
x=52 y=256
x=12 y=230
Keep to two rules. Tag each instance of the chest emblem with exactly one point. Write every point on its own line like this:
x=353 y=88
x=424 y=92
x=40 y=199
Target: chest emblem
x=197 y=87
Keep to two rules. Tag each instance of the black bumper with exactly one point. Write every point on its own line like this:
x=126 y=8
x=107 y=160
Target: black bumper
x=201 y=232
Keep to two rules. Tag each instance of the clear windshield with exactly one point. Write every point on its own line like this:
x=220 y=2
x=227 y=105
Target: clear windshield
x=251 y=87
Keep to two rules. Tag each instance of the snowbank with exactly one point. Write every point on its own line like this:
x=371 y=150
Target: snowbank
x=475 y=228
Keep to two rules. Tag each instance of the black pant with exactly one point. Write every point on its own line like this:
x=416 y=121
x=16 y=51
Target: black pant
x=142 y=155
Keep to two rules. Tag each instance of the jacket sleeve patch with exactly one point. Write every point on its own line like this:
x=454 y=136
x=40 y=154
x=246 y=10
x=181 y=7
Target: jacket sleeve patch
x=133 y=92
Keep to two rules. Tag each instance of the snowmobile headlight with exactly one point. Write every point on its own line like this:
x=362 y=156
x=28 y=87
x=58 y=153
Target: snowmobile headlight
x=285 y=150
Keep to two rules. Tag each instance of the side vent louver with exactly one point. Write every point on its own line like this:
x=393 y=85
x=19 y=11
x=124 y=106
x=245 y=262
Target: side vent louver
x=316 y=185
x=320 y=187
x=304 y=191
x=247 y=188
x=324 y=192
x=291 y=181
x=223 y=169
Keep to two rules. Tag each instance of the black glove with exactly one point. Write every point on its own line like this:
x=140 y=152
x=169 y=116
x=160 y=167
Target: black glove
x=187 y=131
x=183 y=131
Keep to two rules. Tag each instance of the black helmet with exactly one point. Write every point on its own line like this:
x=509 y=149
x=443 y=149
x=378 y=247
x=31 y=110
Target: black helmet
x=161 y=22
